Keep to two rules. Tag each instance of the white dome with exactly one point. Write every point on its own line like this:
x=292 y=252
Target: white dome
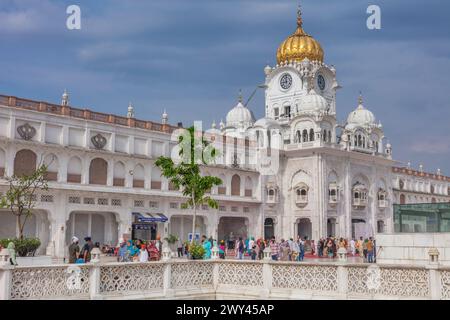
x=313 y=102
x=361 y=117
x=240 y=116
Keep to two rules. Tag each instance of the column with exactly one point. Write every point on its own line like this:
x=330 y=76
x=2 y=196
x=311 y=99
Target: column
x=110 y=173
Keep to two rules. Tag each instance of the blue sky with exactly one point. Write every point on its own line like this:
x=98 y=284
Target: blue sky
x=191 y=58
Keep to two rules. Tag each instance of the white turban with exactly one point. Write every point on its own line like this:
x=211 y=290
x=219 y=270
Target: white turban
x=74 y=239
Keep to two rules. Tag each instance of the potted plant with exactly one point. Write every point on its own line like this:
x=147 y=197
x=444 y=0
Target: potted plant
x=196 y=251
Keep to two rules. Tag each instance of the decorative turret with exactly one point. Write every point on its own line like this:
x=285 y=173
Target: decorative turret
x=130 y=113
x=65 y=99
x=165 y=117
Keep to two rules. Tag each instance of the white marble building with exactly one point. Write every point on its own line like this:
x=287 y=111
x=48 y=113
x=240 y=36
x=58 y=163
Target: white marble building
x=327 y=179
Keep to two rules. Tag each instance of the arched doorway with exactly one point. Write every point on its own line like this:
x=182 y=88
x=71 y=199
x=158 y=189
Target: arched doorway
x=269 y=230
x=102 y=227
x=24 y=163
x=331 y=227
x=231 y=228
x=359 y=228
x=304 y=228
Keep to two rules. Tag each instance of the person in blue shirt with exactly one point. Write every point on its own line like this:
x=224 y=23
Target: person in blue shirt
x=207 y=247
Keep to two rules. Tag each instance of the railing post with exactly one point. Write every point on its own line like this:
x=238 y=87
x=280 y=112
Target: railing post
x=5 y=275
x=167 y=290
x=434 y=282
x=267 y=279
x=215 y=275
x=94 y=280
x=342 y=279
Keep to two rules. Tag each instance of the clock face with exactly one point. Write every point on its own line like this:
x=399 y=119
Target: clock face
x=321 y=82
x=286 y=81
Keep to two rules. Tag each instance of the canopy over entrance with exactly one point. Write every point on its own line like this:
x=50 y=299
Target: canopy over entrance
x=150 y=217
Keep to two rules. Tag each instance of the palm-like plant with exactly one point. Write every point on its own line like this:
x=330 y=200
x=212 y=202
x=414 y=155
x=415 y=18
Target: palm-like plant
x=185 y=175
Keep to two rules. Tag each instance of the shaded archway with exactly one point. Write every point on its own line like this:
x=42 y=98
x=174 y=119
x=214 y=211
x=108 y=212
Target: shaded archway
x=74 y=170
x=269 y=230
x=102 y=227
x=331 y=227
x=24 y=163
x=304 y=228
x=98 y=171
x=231 y=228
x=236 y=185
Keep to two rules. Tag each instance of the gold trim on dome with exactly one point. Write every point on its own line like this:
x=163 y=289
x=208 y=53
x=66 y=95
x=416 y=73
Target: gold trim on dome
x=300 y=45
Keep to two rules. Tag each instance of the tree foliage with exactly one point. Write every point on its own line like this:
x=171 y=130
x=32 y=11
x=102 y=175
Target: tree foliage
x=185 y=173
x=20 y=198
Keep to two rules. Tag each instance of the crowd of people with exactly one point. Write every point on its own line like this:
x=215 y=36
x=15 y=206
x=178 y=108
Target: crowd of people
x=249 y=248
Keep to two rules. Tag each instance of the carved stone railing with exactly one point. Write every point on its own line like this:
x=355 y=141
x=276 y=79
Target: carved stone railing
x=219 y=279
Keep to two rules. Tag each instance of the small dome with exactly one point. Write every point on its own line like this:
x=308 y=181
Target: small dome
x=361 y=116
x=240 y=116
x=313 y=102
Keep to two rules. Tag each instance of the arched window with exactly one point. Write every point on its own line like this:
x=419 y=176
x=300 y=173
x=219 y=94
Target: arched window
x=119 y=174
x=51 y=161
x=98 y=171
x=156 y=178
x=311 y=135
x=74 y=170
x=248 y=187
x=138 y=177
x=2 y=162
x=271 y=195
x=302 y=195
x=325 y=135
x=222 y=189
x=236 y=185
x=24 y=163
x=402 y=199
x=305 y=135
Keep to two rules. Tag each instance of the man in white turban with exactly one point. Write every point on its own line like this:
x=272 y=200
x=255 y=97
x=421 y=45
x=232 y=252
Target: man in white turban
x=74 y=250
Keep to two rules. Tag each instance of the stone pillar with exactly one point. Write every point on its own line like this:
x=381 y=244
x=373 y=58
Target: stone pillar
x=5 y=281
x=94 y=280
x=267 y=278
x=342 y=279
x=434 y=282
x=168 y=292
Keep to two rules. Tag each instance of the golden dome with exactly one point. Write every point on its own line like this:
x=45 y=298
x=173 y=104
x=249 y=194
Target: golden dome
x=299 y=46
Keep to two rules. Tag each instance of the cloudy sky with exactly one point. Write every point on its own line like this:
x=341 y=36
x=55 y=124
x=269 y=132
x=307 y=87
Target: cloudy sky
x=192 y=56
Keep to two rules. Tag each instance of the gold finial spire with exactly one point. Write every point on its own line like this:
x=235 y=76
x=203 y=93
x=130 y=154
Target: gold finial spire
x=360 y=99
x=299 y=16
x=240 y=96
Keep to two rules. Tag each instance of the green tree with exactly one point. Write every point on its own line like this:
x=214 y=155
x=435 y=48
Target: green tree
x=185 y=173
x=20 y=198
